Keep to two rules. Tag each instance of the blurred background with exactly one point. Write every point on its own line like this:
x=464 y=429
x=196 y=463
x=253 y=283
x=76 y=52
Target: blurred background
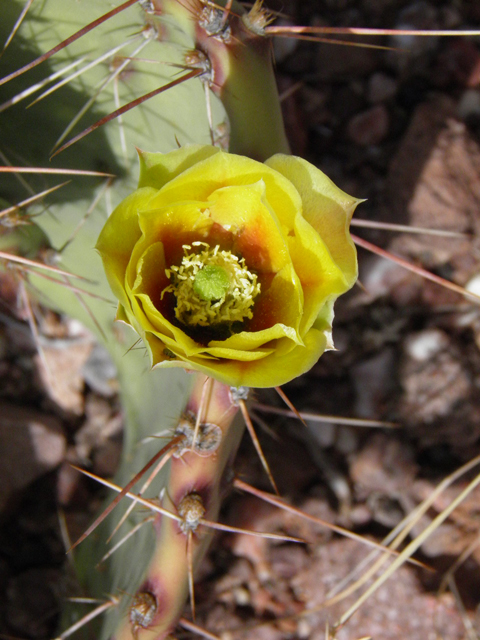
x=399 y=126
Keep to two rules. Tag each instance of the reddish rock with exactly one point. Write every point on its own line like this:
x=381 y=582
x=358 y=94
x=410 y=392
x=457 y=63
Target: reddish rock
x=369 y=127
x=63 y=378
x=434 y=182
x=380 y=88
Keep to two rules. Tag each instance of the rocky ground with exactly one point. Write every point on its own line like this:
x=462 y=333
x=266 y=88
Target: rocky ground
x=401 y=129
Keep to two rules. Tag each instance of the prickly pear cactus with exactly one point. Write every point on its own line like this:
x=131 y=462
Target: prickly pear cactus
x=145 y=102
x=208 y=79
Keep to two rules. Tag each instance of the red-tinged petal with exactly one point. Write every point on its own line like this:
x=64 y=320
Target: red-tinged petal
x=173 y=226
x=257 y=234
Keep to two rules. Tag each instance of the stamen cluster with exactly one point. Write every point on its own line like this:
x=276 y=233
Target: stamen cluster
x=230 y=296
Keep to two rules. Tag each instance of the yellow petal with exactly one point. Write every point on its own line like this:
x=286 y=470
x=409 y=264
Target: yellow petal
x=229 y=170
x=319 y=275
x=156 y=169
x=257 y=233
x=118 y=238
x=326 y=207
x=173 y=226
x=270 y=371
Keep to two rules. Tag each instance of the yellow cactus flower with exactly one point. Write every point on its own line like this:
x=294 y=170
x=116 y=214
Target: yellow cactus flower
x=230 y=266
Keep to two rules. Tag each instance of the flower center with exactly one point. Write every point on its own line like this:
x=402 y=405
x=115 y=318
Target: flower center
x=212 y=287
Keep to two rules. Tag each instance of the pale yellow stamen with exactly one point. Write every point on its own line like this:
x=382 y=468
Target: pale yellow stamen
x=230 y=297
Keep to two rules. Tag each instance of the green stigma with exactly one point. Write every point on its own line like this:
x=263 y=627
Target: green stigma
x=211 y=283
x=212 y=287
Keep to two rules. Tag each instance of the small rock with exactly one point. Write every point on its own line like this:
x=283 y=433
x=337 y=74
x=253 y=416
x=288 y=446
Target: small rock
x=100 y=373
x=369 y=127
x=347 y=440
x=380 y=88
x=373 y=383
x=451 y=18
x=62 y=376
x=68 y=481
x=416 y=16
x=384 y=466
x=325 y=435
x=469 y=105
x=432 y=376
x=100 y=435
x=107 y=458
x=425 y=345
x=434 y=183
x=382 y=277
x=31 y=444
x=473 y=285
x=399 y=609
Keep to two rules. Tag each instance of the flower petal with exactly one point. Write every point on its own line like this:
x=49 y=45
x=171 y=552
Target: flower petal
x=320 y=277
x=249 y=340
x=156 y=169
x=118 y=238
x=326 y=207
x=229 y=170
x=174 y=226
x=258 y=237
x=271 y=371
